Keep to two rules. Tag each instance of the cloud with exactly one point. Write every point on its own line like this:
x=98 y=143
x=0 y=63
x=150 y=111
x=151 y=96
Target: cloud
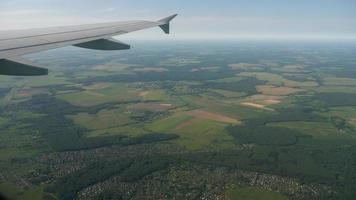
x=106 y=10
x=14 y=13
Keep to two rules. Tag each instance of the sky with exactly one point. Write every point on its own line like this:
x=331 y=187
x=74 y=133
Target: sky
x=198 y=19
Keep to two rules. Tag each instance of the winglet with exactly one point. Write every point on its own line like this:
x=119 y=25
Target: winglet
x=165 y=23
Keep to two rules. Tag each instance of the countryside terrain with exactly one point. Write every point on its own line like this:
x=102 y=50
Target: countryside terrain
x=218 y=120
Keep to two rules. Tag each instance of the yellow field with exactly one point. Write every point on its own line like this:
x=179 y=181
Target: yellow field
x=202 y=114
x=262 y=101
x=150 y=106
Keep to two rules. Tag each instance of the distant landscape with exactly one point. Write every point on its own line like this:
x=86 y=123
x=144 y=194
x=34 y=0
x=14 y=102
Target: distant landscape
x=183 y=120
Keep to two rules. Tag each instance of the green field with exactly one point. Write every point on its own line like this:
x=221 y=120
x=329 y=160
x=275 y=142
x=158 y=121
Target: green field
x=203 y=134
x=251 y=193
x=168 y=124
x=316 y=129
x=102 y=120
x=113 y=93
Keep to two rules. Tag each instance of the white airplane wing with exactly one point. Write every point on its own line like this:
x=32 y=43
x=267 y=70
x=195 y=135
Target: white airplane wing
x=14 y=44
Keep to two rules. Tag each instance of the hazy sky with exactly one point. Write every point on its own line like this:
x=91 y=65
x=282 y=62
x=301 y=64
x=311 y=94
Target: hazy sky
x=203 y=19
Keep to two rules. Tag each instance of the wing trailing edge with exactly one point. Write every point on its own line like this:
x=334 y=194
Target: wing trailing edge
x=104 y=44
x=20 y=67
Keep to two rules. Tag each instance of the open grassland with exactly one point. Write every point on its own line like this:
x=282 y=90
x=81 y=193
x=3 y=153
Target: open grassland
x=150 y=69
x=278 y=80
x=13 y=192
x=262 y=101
x=292 y=68
x=97 y=86
x=102 y=120
x=277 y=91
x=334 y=81
x=179 y=62
x=252 y=193
x=92 y=97
x=197 y=129
x=202 y=114
x=348 y=113
x=150 y=106
x=169 y=123
x=230 y=109
x=113 y=67
x=155 y=95
x=162 y=96
x=255 y=105
x=334 y=89
x=129 y=131
x=16 y=142
x=51 y=79
x=247 y=66
x=229 y=94
x=29 y=92
x=198 y=134
x=315 y=129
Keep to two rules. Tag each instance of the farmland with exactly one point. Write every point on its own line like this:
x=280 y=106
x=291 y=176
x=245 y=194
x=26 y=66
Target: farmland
x=247 y=121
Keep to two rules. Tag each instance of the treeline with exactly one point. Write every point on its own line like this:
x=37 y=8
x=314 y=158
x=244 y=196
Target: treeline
x=263 y=135
x=337 y=99
x=247 y=85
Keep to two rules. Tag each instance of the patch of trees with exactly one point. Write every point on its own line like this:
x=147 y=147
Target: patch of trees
x=67 y=187
x=150 y=138
x=342 y=124
x=337 y=99
x=314 y=162
x=146 y=116
x=263 y=135
x=256 y=131
x=4 y=91
x=128 y=169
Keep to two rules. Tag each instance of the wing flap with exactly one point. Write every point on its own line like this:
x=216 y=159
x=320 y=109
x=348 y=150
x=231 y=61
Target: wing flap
x=20 y=67
x=104 y=44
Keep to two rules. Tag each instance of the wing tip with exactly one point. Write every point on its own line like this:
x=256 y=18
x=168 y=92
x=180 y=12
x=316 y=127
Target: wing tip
x=165 y=23
x=168 y=19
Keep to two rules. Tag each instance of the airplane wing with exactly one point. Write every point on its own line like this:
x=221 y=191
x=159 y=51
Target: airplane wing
x=14 y=44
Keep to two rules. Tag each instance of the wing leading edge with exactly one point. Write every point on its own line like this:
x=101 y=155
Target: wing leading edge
x=14 y=44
